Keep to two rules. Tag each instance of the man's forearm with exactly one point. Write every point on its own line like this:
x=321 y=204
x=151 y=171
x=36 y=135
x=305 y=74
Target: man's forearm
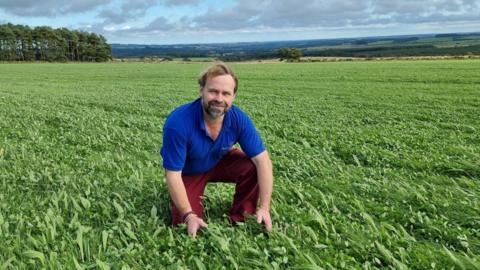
x=265 y=179
x=177 y=191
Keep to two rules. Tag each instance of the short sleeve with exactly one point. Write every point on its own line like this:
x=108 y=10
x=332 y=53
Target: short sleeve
x=250 y=139
x=174 y=149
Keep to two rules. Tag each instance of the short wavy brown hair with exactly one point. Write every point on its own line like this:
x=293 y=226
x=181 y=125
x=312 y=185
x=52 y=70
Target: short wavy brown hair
x=217 y=69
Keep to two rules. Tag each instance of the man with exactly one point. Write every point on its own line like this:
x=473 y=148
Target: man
x=198 y=140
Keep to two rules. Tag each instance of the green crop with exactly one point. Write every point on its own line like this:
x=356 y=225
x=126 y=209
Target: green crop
x=376 y=165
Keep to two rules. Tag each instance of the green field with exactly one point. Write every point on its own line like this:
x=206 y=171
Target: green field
x=376 y=165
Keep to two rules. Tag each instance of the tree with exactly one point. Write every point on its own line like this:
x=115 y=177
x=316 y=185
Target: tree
x=43 y=43
x=70 y=40
x=44 y=40
x=284 y=53
x=295 y=54
x=7 y=43
x=290 y=54
x=25 y=50
x=82 y=46
x=104 y=51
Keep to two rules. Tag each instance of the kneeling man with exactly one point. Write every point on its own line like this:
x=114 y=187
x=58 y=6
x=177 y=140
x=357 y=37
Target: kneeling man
x=198 y=139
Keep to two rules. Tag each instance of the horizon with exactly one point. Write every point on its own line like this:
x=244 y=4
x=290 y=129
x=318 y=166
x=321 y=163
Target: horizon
x=299 y=40
x=173 y=22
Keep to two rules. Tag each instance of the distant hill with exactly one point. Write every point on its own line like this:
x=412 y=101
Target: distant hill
x=390 y=46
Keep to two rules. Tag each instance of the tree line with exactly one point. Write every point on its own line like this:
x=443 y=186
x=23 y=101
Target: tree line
x=43 y=43
x=290 y=54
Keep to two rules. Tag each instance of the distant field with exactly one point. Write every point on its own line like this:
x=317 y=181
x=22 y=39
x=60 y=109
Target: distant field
x=454 y=44
x=376 y=165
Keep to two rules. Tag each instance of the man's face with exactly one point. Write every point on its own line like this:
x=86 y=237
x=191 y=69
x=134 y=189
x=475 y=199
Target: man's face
x=218 y=95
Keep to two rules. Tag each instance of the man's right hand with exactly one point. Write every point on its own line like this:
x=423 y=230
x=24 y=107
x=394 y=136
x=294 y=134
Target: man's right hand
x=194 y=223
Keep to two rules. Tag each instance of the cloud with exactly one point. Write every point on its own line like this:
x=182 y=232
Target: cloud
x=424 y=7
x=159 y=24
x=255 y=15
x=44 y=8
x=237 y=17
x=324 y=13
x=181 y=2
x=208 y=19
x=279 y=14
x=313 y=13
x=286 y=16
x=128 y=10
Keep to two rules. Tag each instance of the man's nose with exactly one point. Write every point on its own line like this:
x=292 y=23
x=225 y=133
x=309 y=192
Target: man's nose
x=218 y=98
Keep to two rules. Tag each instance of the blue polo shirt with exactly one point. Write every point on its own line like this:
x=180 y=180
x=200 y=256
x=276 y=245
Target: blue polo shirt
x=188 y=148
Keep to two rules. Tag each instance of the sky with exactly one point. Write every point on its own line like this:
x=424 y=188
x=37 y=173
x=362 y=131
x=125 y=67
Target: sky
x=208 y=21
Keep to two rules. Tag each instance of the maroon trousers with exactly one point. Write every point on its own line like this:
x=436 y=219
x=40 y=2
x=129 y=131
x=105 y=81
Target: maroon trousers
x=235 y=167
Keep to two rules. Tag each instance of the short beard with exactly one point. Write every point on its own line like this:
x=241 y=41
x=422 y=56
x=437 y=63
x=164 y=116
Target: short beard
x=215 y=113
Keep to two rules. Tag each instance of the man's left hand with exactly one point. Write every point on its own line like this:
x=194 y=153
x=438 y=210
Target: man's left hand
x=263 y=216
